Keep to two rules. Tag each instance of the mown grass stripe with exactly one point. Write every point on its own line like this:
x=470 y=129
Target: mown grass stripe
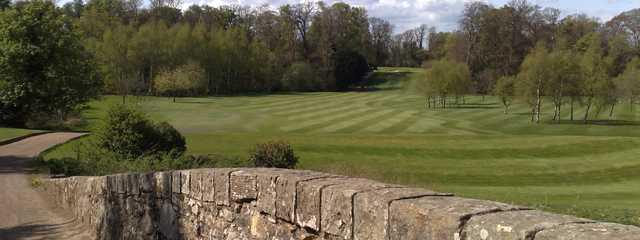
x=367 y=123
x=311 y=102
x=316 y=106
x=311 y=122
x=354 y=121
x=389 y=122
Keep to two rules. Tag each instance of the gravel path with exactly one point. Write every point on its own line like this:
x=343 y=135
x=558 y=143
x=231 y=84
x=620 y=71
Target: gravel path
x=24 y=213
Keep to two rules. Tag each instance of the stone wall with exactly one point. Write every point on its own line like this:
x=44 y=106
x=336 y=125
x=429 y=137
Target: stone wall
x=290 y=204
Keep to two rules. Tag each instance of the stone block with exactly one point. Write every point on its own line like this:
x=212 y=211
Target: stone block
x=133 y=185
x=513 y=225
x=195 y=185
x=244 y=186
x=185 y=180
x=337 y=205
x=371 y=210
x=309 y=200
x=147 y=182
x=163 y=184
x=121 y=183
x=207 y=185
x=591 y=231
x=436 y=217
x=175 y=182
x=267 y=192
x=221 y=185
x=286 y=187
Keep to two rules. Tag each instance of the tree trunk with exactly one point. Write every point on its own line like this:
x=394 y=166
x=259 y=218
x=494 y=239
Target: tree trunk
x=586 y=113
x=613 y=105
x=538 y=103
x=572 y=98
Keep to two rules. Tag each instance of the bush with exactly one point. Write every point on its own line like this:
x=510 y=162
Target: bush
x=301 y=76
x=128 y=132
x=274 y=154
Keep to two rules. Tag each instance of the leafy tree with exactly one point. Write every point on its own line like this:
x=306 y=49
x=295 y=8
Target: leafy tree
x=443 y=79
x=628 y=83
x=4 y=4
x=505 y=89
x=533 y=77
x=44 y=68
x=597 y=85
x=185 y=80
x=350 y=68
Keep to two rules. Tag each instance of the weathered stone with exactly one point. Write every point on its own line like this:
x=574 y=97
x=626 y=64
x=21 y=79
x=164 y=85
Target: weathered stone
x=513 y=225
x=325 y=207
x=195 y=185
x=221 y=185
x=163 y=184
x=591 y=231
x=286 y=186
x=371 y=210
x=175 y=182
x=121 y=183
x=133 y=185
x=244 y=186
x=436 y=217
x=309 y=200
x=207 y=185
x=185 y=180
x=337 y=205
x=267 y=192
x=147 y=182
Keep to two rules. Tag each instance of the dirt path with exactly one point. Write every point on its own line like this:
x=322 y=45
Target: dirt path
x=24 y=213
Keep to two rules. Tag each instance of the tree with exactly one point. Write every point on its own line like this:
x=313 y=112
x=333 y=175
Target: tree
x=533 y=78
x=597 y=86
x=350 y=68
x=628 y=83
x=44 y=68
x=185 y=80
x=115 y=61
x=505 y=89
x=4 y=4
x=443 y=79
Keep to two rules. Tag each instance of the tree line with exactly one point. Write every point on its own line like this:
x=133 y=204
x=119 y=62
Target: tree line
x=308 y=46
x=524 y=51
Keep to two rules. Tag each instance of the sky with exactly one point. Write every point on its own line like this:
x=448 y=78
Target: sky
x=444 y=14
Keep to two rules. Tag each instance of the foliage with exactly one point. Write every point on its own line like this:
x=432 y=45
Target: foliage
x=275 y=154
x=44 y=68
x=301 y=77
x=444 y=78
x=185 y=80
x=127 y=132
x=505 y=90
x=350 y=68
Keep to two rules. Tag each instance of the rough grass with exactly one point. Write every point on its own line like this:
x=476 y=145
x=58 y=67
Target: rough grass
x=384 y=133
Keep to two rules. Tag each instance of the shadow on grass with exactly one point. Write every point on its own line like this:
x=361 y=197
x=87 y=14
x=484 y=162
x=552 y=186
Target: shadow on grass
x=598 y=122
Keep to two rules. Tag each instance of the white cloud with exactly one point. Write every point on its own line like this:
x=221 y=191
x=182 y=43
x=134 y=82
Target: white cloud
x=404 y=14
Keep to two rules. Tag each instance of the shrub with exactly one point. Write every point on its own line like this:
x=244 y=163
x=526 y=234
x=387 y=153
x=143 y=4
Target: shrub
x=128 y=132
x=350 y=68
x=301 y=76
x=274 y=154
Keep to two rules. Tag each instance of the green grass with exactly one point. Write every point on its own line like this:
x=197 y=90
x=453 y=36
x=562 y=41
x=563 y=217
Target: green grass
x=474 y=150
x=9 y=133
